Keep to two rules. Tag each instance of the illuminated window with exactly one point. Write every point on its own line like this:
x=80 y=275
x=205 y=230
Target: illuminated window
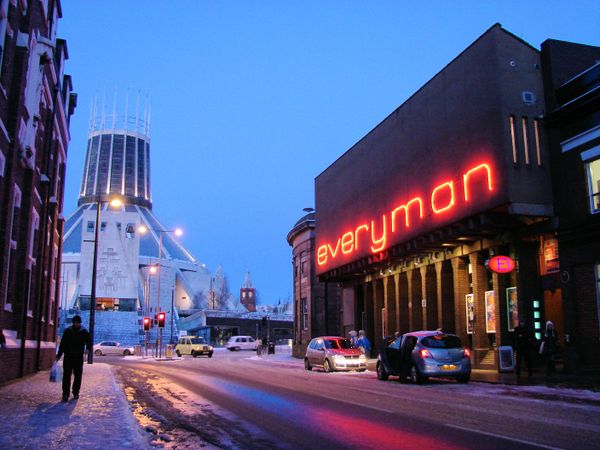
x=525 y=141
x=538 y=149
x=593 y=174
x=513 y=137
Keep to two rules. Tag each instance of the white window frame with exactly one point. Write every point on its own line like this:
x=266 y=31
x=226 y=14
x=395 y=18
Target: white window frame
x=590 y=186
x=16 y=203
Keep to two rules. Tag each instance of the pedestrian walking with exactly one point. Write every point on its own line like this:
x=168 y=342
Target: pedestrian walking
x=74 y=340
x=363 y=343
x=523 y=342
x=2 y=341
x=549 y=347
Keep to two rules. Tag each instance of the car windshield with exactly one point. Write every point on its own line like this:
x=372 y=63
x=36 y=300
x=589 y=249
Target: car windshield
x=441 y=341
x=198 y=341
x=337 y=344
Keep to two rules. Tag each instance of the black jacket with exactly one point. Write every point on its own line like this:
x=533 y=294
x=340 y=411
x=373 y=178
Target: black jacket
x=73 y=343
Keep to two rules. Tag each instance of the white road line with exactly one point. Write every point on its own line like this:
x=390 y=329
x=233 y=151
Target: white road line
x=508 y=438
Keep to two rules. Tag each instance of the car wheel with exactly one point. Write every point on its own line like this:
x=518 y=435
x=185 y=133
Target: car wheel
x=307 y=365
x=126 y=353
x=327 y=366
x=415 y=376
x=194 y=354
x=178 y=353
x=381 y=372
x=98 y=353
x=463 y=378
x=237 y=349
x=210 y=354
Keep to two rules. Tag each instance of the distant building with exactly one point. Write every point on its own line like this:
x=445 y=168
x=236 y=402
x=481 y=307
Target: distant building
x=316 y=304
x=248 y=294
x=143 y=267
x=572 y=80
x=36 y=103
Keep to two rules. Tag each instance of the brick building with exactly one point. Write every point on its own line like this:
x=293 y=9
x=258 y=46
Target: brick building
x=248 y=294
x=316 y=304
x=571 y=78
x=36 y=103
x=409 y=218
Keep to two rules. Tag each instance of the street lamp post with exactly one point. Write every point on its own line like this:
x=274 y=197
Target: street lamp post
x=115 y=202
x=177 y=232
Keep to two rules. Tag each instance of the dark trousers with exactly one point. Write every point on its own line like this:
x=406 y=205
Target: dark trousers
x=523 y=354
x=72 y=366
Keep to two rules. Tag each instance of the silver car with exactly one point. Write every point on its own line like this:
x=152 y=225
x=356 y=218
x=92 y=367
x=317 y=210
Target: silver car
x=423 y=354
x=334 y=353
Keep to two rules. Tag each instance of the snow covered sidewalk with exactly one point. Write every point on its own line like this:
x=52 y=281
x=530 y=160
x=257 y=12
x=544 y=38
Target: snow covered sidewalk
x=32 y=415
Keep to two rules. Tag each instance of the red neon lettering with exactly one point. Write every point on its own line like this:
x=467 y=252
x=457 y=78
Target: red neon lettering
x=473 y=171
x=443 y=198
x=382 y=240
x=348 y=242
x=337 y=248
x=406 y=209
x=363 y=227
x=450 y=204
x=322 y=255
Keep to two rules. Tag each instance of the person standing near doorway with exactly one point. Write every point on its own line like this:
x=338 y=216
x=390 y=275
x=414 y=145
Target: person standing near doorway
x=73 y=343
x=550 y=347
x=364 y=344
x=523 y=341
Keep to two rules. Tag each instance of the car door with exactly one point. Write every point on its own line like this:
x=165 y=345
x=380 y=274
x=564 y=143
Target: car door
x=251 y=344
x=406 y=349
x=393 y=354
x=319 y=353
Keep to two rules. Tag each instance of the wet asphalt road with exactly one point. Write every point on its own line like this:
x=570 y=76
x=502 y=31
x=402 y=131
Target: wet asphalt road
x=300 y=409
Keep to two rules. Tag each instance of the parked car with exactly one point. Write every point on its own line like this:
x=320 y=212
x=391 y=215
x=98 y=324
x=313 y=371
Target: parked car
x=334 y=353
x=112 y=348
x=193 y=345
x=423 y=354
x=236 y=343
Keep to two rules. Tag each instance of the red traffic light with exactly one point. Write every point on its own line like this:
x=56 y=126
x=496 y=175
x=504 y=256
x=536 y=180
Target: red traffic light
x=147 y=323
x=161 y=318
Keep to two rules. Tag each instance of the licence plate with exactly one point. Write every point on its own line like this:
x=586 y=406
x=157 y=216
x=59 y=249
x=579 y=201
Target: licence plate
x=449 y=367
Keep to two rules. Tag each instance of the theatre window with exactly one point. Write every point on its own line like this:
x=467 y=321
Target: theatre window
x=593 y=174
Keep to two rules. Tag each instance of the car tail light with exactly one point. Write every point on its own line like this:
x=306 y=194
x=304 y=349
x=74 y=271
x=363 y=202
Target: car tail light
x=425 y=353
x=467 y=352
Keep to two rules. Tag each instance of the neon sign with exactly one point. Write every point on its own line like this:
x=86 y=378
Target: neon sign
x=501 y=264
x=376 y=233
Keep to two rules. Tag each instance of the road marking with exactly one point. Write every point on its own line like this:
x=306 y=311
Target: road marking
x=508 y=438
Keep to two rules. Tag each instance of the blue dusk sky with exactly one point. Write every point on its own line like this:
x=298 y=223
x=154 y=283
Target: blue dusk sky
x=252 y=100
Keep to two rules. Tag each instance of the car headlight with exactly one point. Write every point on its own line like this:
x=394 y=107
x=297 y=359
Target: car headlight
x=362 y=356
x=338 y=356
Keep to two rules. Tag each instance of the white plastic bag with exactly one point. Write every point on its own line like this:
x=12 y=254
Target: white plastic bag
x=55 y=373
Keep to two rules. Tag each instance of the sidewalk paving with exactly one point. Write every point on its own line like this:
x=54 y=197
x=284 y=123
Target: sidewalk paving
x=33 y=417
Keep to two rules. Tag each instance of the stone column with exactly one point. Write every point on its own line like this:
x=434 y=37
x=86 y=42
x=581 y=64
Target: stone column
x=460 y=274
x=430 y=294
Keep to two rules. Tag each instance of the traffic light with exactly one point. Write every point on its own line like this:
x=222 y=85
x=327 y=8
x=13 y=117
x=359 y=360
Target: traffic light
x=161 y=318
x=147 y=323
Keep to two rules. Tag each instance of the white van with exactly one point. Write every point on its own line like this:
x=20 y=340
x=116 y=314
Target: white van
x=241 y=343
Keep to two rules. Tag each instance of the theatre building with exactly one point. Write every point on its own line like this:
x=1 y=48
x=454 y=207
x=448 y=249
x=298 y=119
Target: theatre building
x=410 y=219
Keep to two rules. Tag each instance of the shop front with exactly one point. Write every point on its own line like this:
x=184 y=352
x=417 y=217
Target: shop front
x=439 y=217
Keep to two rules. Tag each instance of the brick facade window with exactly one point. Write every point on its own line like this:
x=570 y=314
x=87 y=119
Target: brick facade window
x=304 y=312
x=592 y=169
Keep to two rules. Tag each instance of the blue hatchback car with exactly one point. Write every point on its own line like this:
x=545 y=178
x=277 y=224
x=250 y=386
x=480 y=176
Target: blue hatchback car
x=423 y=354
